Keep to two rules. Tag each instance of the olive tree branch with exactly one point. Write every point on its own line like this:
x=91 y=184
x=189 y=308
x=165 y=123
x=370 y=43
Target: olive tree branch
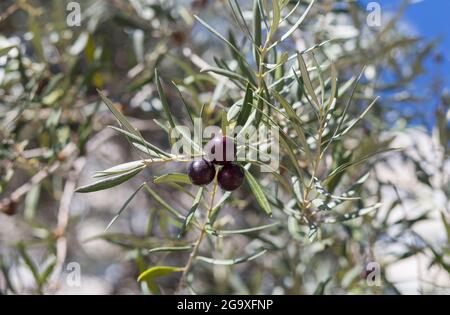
x=194 y=252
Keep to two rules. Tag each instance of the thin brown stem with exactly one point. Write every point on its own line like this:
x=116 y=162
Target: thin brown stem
x=197 y=243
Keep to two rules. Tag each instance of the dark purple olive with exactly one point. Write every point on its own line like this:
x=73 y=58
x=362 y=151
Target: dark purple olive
x=201 y=172
x=230 y=177
x=221 y=150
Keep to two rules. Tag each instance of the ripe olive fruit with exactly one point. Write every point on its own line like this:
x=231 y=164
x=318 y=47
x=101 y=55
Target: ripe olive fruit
x=201 y=172
x=230 y=176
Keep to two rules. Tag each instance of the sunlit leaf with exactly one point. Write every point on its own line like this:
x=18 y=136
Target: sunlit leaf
x=155 y=272
x=295 y=26
x=121 y=168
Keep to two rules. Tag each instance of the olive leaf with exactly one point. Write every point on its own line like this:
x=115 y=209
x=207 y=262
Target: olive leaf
x=110 y=182
x=229 y=262
x=119 y=116
x=153 y=273
x=222 y=233
x=172 y=178
x=170 y=249
x=191 y=213
x=258 y=192
x=163 y=98
x=120 y=169
x=246 y=107
x=124 y=207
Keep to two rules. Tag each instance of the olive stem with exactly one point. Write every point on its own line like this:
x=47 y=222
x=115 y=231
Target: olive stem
x=194 y=252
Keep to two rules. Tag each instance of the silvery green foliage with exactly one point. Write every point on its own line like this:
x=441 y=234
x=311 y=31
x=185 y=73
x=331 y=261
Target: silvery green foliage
x=312 y=226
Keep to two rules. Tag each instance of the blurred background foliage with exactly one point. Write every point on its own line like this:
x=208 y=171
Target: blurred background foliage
x=53 y=137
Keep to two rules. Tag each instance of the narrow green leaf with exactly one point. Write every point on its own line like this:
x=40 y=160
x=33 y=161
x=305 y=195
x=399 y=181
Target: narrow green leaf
x=119 y=116
x=276 y=17
x=296 y=122
x=246 y=108
x=258 y=192
x=341 y=90
x=295 y=26
x=298 y=191
x=155 y=272
x=292 y=11
x=141 y=264
x=121 y=168
x=216 y=33
x=170 y=249
x=307 y=81
x=191 y=213
x=446 y=223
x=28 y=261
x=333 y=95
x=347 y=106
x=5 y=50
x=224 y=122
x=134 y=138
x=43 y=277
x=224 y=72
x=80 y=44
x=249 y=122
x=246 y=70
x=7 y=276
x=237 y=8
x=320 y=77
x=124 y=206
x=320 y=290
x=172 y=178
x=242 y=231
x=53 y=97
x=185 y=137
x=356 y=120
x=257 y=34
x=349 y=194
x=163 y=203
x=284 y=141
x=143 y=149
x=234 y=111
x=31 y=202
x=188 y=108
x=163 y=98
x=35 y=27
x=109 y=181
x=235 y=261
x=218 y=206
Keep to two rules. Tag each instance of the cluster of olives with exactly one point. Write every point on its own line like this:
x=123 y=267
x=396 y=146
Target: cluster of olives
x=219 y=151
